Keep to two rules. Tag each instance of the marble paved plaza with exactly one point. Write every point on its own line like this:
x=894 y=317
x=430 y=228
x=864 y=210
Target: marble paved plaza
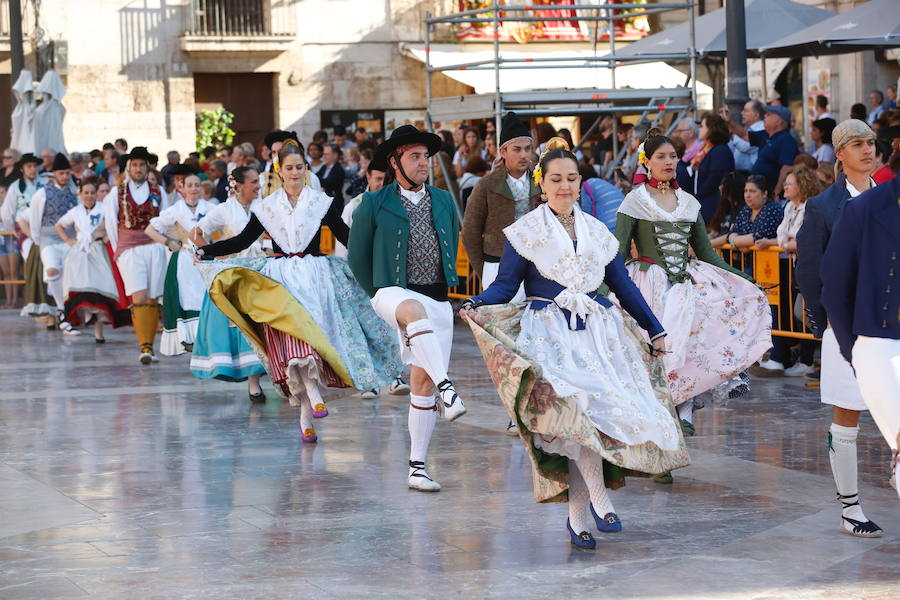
x=123 y=481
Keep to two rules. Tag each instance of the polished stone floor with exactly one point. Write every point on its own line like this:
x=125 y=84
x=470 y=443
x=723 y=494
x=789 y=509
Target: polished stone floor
x=122 y=481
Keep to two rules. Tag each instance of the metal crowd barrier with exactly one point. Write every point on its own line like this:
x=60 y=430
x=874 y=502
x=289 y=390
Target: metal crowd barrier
x=771 y=268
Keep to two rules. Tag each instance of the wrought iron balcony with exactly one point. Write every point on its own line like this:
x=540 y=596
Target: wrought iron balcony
x=239 y=25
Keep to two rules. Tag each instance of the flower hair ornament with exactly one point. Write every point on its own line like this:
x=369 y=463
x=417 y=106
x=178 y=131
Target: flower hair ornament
x=276 y=166
x=232 y=186
x=642 y=156
x=556 y=143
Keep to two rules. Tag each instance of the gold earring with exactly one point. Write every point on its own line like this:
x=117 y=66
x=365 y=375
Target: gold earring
x=543 y=197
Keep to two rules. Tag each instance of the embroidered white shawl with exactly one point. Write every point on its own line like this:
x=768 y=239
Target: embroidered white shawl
x=540 y=238
x=293 y=228
x=640 y=205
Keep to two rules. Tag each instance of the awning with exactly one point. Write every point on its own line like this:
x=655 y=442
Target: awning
x=550 y=75
x=873 y=24
x=766 y=21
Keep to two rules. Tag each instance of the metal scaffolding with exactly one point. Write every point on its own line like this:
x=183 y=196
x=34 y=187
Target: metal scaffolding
x=562 y=102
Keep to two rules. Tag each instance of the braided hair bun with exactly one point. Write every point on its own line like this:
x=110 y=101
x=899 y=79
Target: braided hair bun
x=556 y=147
x=652 y=133
x=556 y=143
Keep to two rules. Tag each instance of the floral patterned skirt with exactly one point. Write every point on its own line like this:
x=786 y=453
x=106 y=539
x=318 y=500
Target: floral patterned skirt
x=572 y=390
x=717 y=324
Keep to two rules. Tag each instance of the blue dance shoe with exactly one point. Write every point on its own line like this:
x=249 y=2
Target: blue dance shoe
x=583 y=540
x=610 y=523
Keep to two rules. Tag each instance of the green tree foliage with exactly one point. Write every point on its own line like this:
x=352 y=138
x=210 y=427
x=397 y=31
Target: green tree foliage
x=213 y=128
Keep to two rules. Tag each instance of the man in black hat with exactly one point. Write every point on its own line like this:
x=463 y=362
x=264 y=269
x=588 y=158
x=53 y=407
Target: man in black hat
x=499 y=199
x=128 y=209
x=402 y=251
x=375 y=174
x=48 y=205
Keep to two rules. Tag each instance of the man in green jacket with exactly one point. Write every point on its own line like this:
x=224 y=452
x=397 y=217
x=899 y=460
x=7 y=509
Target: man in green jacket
x=402 y=251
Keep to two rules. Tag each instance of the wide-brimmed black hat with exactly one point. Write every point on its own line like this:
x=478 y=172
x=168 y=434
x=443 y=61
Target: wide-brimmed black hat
x=279 y=135
x=511 y=127
x=403 y=136
x=182 y=169
x=60 y=162
x=140 y=153
x=28 y=157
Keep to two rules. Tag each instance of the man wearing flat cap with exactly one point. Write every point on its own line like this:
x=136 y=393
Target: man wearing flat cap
x=777 y=147
x=48 y=205
x=128 y=209
x=402 y=251
x=854 y=147
x=498 y=200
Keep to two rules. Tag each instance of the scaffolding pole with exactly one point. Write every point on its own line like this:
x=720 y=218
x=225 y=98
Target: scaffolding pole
x=605 y=12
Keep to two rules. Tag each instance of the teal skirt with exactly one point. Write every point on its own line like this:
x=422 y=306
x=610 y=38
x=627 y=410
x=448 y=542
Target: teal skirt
x=220 y=349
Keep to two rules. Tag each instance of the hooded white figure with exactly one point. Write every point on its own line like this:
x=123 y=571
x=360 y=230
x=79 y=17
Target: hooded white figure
x=23 y=113
x=48 y=117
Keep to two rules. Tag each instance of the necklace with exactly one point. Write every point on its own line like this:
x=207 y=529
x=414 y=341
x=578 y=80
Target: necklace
x=567 y=221
x=662 y=186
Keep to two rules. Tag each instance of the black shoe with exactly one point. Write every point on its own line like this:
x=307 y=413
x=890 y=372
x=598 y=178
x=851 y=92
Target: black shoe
x=99 y=340
x=259 y=398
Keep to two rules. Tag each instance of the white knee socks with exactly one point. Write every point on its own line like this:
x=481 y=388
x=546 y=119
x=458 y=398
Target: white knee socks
x=312 y=389
x=421 y=425
x=426 y=349
x=591 y=466
x=306 y=418
x=56 y=290
x=842 y=452
x=579 y=499
x=686 y=410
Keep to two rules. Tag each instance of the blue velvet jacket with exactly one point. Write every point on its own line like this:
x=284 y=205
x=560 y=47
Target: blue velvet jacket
x=514 y=269
x=822 y=212
x=861 y=268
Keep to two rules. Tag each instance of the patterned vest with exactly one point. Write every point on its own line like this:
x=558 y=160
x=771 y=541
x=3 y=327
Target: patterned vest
x=423 y=260
x=136 y=216
x=58 y=202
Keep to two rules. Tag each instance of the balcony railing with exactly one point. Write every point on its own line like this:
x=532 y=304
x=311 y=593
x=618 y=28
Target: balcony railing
x=241 y=18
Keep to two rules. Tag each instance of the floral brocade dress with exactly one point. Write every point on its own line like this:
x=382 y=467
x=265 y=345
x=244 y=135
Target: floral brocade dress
x=718 y=322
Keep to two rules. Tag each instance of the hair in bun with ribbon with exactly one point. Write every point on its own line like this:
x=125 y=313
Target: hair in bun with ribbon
x=290 y=146
x=556 y=147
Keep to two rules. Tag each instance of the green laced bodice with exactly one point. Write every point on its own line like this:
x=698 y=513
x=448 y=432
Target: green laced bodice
x=672 y=241
x=666 y=244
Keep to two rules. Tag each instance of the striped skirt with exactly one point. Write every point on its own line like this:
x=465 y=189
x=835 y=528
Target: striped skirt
x=282 y=348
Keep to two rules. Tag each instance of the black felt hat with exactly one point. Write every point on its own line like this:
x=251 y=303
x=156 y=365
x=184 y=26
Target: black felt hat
x=511 y=127
x=28 y=157
x=279 y=135
x=378 y=163
x=60 y=162
x=182 y=169
x=403 y=136
x=140 y=153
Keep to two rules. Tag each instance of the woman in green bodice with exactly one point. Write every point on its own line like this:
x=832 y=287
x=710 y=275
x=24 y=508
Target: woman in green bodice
x=717 y=319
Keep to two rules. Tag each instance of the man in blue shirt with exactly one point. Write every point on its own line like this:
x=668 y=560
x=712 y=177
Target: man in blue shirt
x=777 y=148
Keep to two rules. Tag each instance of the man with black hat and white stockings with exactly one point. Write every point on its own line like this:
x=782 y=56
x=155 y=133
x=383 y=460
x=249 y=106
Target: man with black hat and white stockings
x=375 y=175
x=854 y=147
x=142 y=262
x=48 y=205
x=402 y=251
x=498 y=200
